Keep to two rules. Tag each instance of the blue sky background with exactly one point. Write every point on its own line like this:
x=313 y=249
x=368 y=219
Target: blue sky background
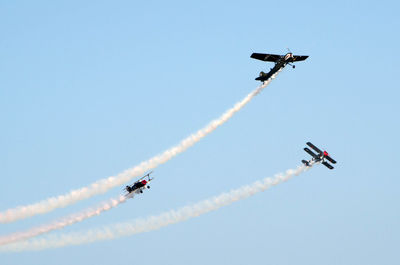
x=88 y=89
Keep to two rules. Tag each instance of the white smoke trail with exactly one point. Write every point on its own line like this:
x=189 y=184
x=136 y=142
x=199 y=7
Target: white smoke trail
x=103 y=185
x=153 y=222
x=69 y=220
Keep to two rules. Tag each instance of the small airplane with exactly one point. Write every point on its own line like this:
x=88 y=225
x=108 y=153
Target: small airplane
x=321 y=156
x=139 y=185
x=280 y=62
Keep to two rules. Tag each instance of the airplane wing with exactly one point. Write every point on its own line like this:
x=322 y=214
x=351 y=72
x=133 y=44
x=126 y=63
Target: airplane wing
x=147 y=175
x=297 y=58
x=327 y=165
x=311 y=153
x=330 y=159
x=314 y=147
x=266 y=57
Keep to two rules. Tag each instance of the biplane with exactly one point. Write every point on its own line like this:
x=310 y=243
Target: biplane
x=139 y=185
x=321 y=157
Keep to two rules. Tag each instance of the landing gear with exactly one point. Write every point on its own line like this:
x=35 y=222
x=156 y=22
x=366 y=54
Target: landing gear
x=148 y=187
x=294 y=66
x=141 y=191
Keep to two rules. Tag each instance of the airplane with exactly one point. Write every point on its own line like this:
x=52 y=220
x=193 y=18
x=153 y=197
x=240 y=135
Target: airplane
x=280 y=62
x=321 y=156
x=139 y=185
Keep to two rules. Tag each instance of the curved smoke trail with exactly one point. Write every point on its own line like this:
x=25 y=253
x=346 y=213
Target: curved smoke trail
x=151 y=223
x=103 y=185
x=69 y=220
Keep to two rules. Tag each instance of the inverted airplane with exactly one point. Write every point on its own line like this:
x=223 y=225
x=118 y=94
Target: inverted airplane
x=320 y=157
x=139 y=185
x=280 y=62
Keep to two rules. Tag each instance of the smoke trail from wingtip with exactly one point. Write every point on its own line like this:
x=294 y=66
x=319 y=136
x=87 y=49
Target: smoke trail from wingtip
x=66 y=221
x=153 y=222
x=103 y=185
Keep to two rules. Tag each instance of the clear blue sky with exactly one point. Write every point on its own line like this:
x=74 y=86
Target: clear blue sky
x=90 y=89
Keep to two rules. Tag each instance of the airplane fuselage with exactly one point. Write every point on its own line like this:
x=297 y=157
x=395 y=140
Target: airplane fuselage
x=283 y=61
x=137 y=187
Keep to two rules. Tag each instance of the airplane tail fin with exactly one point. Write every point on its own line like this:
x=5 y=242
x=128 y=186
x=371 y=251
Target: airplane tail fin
x=305 y=163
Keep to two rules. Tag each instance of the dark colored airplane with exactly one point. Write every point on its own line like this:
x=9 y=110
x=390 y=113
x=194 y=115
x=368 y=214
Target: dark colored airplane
x=139 y=185
x=280 y=62
x=321 y=156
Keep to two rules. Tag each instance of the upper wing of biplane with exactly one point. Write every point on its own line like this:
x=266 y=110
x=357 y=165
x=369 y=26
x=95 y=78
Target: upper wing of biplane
x=147 y=175
x=297 y=58
x=327 y=165
x=266 y=57
x=314 y=147
x=310 y=152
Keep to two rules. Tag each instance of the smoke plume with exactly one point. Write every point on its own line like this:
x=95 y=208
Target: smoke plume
x=151 y=223
x=103 y=185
